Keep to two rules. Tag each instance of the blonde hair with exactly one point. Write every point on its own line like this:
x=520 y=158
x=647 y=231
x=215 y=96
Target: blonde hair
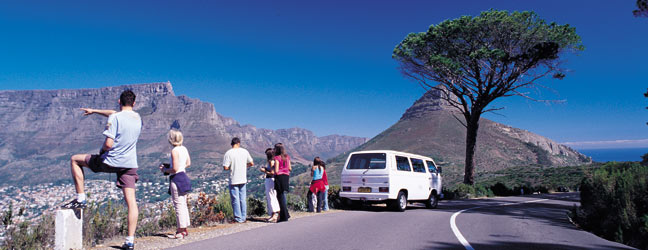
x=175 y=137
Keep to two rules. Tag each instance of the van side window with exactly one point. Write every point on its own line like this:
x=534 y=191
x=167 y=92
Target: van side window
x=431 y=166
x=403 y=164
x=418 y=165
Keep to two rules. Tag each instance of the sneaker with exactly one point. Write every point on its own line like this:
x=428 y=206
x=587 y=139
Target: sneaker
x=74 y=204
x=128 y=246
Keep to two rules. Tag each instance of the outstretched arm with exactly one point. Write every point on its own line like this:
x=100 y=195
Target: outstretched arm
x=104 y=112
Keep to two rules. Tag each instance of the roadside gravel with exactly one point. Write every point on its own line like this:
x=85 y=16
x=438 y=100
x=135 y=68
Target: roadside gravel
x=161 y=241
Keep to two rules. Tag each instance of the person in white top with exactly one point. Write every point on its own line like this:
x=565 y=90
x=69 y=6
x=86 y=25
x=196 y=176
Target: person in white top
x=237 y=160
x=179 y=183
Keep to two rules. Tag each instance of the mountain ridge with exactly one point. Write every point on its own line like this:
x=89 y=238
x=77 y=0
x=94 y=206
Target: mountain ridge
x=43 y=128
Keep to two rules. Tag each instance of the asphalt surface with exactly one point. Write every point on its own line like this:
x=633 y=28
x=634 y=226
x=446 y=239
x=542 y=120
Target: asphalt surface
x=524 y=222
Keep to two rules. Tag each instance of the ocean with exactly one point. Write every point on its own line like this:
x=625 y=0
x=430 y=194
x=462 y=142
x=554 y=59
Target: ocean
x=615 y=154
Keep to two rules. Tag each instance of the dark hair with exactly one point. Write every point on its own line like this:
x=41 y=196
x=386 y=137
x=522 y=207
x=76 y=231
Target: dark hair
x=280 y=150
x=318 y=162
x=235 y=141
x=127 y=98
x=269 y=154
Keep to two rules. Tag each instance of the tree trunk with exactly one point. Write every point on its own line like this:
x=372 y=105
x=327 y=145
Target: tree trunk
x=471 y=142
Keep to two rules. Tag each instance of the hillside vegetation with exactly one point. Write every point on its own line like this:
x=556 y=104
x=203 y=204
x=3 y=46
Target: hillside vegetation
x=614 y=203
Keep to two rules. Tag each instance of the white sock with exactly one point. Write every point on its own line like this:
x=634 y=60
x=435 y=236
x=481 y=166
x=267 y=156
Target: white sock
x=81 y=197
x=130 y=239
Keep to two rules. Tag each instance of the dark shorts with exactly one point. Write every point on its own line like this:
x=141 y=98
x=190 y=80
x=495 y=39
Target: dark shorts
x=126 y=177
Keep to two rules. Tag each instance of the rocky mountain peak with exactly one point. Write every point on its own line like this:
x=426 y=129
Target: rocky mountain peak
x=432 y=101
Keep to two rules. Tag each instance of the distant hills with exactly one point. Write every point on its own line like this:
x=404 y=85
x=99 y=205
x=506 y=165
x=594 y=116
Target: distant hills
x=43 y=128
x=429 y=127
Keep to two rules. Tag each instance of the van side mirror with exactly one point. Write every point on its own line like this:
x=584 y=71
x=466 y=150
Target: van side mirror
x=439 y=170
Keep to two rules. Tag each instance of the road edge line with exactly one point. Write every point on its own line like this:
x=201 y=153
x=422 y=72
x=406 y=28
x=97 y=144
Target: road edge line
x=460 y=236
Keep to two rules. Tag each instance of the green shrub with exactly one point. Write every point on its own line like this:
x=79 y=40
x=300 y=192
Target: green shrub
x=482 y=191
x=168 y=218
x=103 y=221
x=224 y=204
x=500 y=189
x=296 y=202
x=24 y=236
x=256 y=206
x=464 y=191
x=614 y=203
x=447 y=193
x=334 y=199
x=541 y=189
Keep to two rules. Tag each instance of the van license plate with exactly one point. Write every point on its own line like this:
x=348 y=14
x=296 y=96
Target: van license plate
x=364 y=190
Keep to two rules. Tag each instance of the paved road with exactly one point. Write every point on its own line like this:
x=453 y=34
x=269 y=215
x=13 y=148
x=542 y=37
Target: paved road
x=528 y=222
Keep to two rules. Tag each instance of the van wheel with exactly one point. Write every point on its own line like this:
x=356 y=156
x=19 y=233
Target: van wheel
x=400 y=204
x=432 y=201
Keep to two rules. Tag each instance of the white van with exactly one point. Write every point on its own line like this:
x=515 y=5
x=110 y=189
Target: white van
x=390 y=176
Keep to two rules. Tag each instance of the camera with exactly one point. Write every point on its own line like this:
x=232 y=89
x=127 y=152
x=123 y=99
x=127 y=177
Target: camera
x=166 y=166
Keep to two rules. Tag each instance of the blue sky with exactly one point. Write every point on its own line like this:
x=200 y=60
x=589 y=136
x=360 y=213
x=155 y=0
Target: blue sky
x=321 y=65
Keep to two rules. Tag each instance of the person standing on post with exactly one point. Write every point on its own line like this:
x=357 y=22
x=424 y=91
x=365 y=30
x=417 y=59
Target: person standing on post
x=237 y=160
x=118 y=155
x=282 y=175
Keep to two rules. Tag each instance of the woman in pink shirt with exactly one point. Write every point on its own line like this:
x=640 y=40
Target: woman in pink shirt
x=282 y=174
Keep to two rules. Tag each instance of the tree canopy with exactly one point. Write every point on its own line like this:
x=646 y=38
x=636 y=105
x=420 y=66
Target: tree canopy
x=642 y=9
x=476 y=60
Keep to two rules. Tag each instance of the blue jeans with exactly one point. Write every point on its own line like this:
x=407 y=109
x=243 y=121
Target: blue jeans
x=326 y=208
x=239 y=201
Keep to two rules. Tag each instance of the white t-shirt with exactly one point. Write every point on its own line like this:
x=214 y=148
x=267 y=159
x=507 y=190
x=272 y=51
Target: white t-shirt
x=237 y=159
x=124 y=127
x=183 y=155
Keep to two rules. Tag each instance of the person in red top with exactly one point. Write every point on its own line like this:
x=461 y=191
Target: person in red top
x=318 y=185
x=282 y=175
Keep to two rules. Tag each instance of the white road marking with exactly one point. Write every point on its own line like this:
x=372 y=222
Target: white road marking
x=458 y=234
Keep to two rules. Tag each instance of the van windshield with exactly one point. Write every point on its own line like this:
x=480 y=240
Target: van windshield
x=367 y=161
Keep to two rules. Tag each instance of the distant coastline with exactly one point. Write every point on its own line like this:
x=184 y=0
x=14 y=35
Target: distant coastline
x=614 y=154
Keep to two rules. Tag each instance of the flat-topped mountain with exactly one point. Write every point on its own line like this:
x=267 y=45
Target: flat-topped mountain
x=43 y=128
x=431 y=127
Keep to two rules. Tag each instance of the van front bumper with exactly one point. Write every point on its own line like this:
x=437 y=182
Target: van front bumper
x=365 y=196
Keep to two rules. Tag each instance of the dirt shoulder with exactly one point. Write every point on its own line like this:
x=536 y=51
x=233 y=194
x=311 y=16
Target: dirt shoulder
x=161 y=241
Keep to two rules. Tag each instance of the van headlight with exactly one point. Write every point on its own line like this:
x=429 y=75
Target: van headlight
x=383 y=189
x=346 y=189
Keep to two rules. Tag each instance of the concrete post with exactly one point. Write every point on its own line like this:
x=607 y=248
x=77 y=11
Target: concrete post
x=69 y=229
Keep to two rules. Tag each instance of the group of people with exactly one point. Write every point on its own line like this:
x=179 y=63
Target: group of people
x=118 y=155
x=277 y=172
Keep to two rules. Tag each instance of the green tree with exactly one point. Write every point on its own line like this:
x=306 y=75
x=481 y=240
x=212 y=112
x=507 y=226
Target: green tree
x=642 y=9
x=475 y=60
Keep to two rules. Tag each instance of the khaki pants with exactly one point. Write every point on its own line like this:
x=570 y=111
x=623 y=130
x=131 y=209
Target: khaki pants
x=180 y=205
